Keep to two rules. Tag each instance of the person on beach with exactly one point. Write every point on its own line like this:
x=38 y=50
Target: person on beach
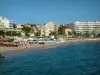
x=25 y=44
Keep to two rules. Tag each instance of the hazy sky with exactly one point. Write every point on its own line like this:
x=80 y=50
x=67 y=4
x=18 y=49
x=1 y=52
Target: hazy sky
x=42 y=11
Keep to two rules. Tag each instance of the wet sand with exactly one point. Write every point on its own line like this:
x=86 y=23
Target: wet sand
x=35 y=46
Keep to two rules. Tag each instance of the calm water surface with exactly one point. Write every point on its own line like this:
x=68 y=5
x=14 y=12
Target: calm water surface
x=76 y=59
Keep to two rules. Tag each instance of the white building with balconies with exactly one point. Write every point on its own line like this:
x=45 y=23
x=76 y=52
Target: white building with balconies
x=5 y=23
x=46 y=29
x=86 y=26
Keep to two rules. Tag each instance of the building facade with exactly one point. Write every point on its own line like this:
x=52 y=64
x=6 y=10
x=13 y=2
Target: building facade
x=68 y=32
x=50 y=27
x=85 y=26
x=19 y=26
x=46 y=29
x=41 y=28
x=5 y=23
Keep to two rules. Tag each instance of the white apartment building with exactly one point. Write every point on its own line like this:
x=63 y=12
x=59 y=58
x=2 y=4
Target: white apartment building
x=5 y=23
x=86 y=26
x=50 y=27
x=46 y=29
x=41 y=28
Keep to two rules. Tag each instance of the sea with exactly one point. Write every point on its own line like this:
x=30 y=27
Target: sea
x=73 y=59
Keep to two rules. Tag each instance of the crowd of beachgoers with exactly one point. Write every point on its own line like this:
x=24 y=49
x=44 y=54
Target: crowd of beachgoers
x=26 y=45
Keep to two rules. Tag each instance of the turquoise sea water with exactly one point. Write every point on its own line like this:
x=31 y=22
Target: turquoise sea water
x=75 y=59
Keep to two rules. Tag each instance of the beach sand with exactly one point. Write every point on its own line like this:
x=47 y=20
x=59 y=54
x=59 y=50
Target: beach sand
x=24 y=47
x=35 y=46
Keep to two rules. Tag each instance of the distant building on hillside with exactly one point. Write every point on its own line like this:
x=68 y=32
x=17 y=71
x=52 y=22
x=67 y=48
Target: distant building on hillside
x=19 y=26
x=27 y=25
x=5 y=23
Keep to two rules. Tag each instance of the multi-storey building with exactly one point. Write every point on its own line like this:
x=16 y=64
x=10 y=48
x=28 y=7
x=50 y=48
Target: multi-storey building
x=46 y=29
x=50 y=27
x=5 y=23
x=85 y=26
x=41 y=28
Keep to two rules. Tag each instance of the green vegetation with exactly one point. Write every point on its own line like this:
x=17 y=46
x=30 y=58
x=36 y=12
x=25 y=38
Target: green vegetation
x=93 y=33
x=52 y=33
x=69 y=33
x=74 y=33
x=86 y=34
x=38 y=33
x=10 y=33
x=13 y=33
x=1 y=32
x=14 y=26
x=26 y=30
x=61 y=30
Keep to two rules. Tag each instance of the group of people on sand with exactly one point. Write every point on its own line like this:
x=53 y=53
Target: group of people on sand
x=25 y=43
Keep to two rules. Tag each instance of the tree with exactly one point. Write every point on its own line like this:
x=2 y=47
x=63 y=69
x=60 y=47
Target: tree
x=43 y=35
x=14 y=26
x=52 y=33
x=38 y=33
x=79 y=34
x=1 y=32
x=86 y=34
x=19 y=34
x=13 y=33
x=26 y=33
x=69 y=33
x=61 y=30
x=74 y=33
x=35 y=28
x=93 y=33
x=26 y=30
x=98 y=35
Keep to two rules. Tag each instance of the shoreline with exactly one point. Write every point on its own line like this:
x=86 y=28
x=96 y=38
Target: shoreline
x=38 y=46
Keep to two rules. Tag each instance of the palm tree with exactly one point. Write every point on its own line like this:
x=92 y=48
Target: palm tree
x=93 y=33
x=87 y=34
x=74 y=33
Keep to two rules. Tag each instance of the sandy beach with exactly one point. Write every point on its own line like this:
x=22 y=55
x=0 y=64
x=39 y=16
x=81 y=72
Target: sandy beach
x=28 y=47
x=35 y=46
